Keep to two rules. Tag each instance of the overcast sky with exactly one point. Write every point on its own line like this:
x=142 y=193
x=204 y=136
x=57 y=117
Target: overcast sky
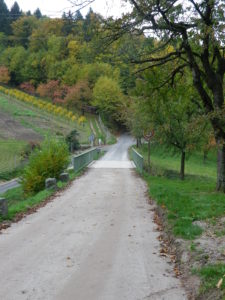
x=54 y=8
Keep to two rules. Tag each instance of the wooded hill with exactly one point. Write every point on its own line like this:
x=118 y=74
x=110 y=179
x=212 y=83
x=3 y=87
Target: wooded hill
x=145 y=73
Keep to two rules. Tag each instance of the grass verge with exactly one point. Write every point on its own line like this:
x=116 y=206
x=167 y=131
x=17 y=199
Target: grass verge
x=18 y=203
x=185 y=202
x=211 y=275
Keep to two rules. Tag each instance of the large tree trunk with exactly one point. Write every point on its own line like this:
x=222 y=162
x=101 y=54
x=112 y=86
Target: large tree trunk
x=219 y=129
x=221 y=168
x=182 y=165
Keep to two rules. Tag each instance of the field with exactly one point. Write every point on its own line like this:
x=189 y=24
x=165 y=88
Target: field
x=194 y=212
x=10 y=158
x=31 y=119
x=21 y=123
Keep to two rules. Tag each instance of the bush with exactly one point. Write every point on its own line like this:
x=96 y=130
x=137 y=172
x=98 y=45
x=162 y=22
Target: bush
x=29 y=149
x=28 y=87
x=4 y=74
x=72 y=140
x=48 y=161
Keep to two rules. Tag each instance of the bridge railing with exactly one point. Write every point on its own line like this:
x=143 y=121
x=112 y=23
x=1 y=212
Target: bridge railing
x=82 y=160
x=137 y=159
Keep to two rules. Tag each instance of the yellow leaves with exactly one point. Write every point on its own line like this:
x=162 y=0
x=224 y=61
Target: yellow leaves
x=74 y=48
x=43 y=105
x=169 y=49
x=73 y=118
x=81 y=120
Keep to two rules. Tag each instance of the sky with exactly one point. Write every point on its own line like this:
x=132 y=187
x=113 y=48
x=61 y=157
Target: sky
x=54 y=8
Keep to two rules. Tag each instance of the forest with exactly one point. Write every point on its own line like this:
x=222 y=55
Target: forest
x=169 y=84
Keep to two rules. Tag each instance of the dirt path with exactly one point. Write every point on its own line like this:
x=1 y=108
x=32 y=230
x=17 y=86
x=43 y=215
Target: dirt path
x=96 y=241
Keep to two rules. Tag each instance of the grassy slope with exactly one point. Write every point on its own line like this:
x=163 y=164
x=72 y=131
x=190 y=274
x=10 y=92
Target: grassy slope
x=187 y=201
x=10 y=158
x=42 y=123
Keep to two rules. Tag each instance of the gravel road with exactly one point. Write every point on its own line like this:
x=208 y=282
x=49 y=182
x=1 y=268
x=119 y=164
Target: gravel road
x=95 y=241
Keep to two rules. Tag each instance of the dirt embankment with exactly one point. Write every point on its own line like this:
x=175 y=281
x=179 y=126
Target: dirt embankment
x=12 y=129
x=188 y=255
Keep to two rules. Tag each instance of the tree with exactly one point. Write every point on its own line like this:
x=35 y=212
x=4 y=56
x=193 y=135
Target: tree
x=177 y=119
x=17 y=62
x=15 y=12
x=79 y=95
x=4 y=20
x=73 y=141
x=37 y=13
x=196 y=32
x=78 y=16
x=195 y=29
x=22 y=30
x=107 y=96
x=47 y=90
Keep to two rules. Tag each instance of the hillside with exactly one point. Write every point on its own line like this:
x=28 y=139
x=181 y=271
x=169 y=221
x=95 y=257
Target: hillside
x=22 y=123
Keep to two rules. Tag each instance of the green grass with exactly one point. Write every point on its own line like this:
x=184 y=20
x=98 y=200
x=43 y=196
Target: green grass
x=210 y=275
x=19 y=203
x=164 y=161
x=10 y=158
x=186 y=201
x=40 y=121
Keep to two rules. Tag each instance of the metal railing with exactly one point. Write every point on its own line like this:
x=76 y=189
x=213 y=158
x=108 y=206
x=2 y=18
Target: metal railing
x=82 y=160
x=138 y=160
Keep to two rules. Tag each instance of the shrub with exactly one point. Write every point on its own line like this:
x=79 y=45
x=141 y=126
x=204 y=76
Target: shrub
x=4 y=74
x=48 y=89
x=30 y=147
x=72 y=140
x=48 y=161
x=28 y=87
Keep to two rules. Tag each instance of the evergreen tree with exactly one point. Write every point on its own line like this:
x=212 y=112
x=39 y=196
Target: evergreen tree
x=4 y=20
x=78 y=16
x=38 y=13
x=15 y=12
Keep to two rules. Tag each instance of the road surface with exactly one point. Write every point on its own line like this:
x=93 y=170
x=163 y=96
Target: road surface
x=95 y=241
x=8 y=186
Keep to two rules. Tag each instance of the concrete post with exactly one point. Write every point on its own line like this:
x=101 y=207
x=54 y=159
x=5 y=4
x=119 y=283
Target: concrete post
x=3 y=207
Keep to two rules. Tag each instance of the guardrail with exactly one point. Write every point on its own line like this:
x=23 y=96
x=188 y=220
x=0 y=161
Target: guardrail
x=82 y=160
x=138 y=160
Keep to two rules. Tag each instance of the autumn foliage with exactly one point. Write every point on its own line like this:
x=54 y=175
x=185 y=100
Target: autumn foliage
x=4 y=74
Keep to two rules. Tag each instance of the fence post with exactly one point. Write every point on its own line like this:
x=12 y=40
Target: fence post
x=3 y=207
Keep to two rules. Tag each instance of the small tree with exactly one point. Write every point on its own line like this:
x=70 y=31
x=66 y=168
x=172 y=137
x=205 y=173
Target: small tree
x=78 y=95
x=48 y=161
x=72 y=140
